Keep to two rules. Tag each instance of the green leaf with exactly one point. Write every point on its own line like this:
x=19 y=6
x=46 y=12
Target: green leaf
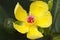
x=40 y=29
x=56 y=16
x=56 y=37
x=19 y=22
x=50 y=4
x=45 y=31
x=57 y=24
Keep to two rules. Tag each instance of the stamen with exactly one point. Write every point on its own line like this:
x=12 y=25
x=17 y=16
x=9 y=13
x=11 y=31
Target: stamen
x=30 y=19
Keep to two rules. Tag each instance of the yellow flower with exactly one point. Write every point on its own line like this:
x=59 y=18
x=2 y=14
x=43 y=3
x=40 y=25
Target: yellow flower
x=38 y=16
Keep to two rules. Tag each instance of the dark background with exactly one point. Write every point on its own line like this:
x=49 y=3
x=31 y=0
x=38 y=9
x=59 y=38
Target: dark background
x=8 y=7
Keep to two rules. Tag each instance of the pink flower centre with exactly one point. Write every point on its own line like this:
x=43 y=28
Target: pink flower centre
x=30 y=19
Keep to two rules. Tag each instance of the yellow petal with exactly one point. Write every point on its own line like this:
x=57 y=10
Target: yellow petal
x=20 y=13
x=37 y=8
x=45 y=21
x=34 y=33
x=21 y=28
